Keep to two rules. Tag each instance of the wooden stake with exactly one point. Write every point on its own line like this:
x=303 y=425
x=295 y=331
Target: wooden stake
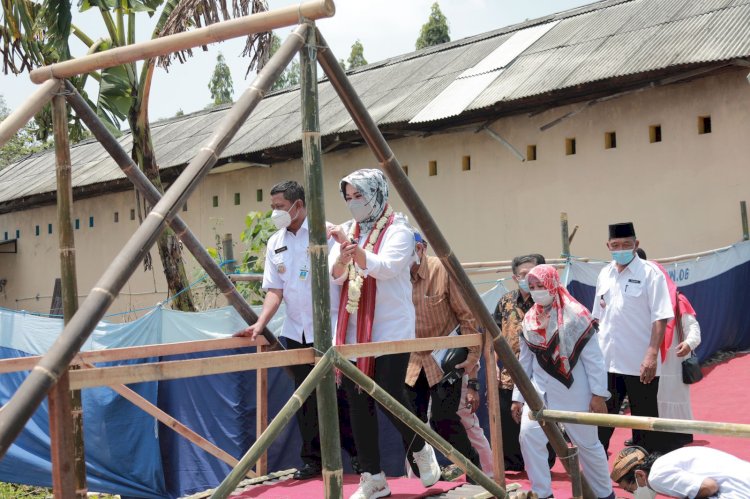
x=264 y=441
x=261 y=413
x=32 y=391
x=228 y=250
x=416 y=424
x=388 y=162
x=575 y=472
x=743 y=214
x=233 y=28
x=66 y=412
x=564 y=234
x=32 y=105
x=493 y=406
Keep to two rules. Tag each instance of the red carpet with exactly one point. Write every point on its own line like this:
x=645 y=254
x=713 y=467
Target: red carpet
x=401 y=488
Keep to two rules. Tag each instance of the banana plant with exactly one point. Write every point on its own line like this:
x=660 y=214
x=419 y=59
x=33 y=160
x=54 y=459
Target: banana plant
x=36 y=33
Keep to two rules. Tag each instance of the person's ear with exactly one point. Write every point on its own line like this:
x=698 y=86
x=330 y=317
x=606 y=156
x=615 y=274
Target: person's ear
x=641 y=479
x=607 y=244
x=637 y=244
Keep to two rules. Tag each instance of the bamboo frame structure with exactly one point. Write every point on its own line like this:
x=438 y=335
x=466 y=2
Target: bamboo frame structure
x=493 y=409
x=255 y=23
x=388 y=162
x=46 y=373
x=152 y=195
x=328 y=414
x=35 y=102
x=645 y=423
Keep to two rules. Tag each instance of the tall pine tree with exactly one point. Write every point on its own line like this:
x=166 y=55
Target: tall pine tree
x=435 y=31
x=221 y=86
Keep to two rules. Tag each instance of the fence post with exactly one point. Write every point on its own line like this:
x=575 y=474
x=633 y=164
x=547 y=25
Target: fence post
x=565 y=235
x=743 y=214
x=228 y=250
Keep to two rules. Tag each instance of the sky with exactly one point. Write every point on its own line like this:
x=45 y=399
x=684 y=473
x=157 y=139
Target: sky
x=386 y=28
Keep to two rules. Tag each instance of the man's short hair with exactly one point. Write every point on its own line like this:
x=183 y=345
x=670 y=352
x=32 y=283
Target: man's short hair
x=291 y=190
x=534 y=258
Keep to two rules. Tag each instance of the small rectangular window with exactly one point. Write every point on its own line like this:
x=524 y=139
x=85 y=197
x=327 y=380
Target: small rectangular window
x=531 y=152
x=466 y=163
x=91 y=221
x=18 y=233
x=704 y=124
x=49 y=228
x=78 y=223
x=236 y=198
x=215 y=201
x=406 y=170
x=117 y=217
x=433 y=168
x=570 y=146
x=36 y=230
x=610 y=140
x=654 y=133
x=6 y=235
x=259 y=195
x=132 y=214
x=184 y=206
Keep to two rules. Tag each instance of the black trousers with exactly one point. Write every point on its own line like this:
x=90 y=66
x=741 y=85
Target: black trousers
x=643 y=402
x=390 y=372
x=443 y=417
x=307 y=416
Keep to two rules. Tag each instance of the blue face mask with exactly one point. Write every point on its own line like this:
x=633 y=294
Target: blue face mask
x=623 y=257
x=524 y=285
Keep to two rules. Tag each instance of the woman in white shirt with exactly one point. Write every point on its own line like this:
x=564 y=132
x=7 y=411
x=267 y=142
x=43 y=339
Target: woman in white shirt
x=371 y=262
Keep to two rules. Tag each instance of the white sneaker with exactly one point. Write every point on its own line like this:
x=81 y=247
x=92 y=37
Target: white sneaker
x=371 y=487
x=429 y=471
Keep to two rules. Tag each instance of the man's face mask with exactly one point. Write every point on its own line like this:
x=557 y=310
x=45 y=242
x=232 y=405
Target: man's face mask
x=623 y=257
x=282 y=218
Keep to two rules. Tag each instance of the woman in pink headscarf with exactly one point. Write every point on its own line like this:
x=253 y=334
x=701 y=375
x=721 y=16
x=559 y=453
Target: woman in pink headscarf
x=565 y=364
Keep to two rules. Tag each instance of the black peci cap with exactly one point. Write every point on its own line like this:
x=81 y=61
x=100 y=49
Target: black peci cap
x=624 y=229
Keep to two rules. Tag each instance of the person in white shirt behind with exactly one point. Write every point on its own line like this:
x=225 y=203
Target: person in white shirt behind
x=371 y=264
x=691 y=472
x=560 y=354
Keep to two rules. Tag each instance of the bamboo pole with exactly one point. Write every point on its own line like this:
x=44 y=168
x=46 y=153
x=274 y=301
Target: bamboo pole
x=261 y=413
x=328 y=419
x=173 y=424
x=645 y=423
x=264 y=441
x=255 y=23
x=388 y=162
x=743 y=214
x=32 y=105
x=153 y=196
x=575 y=472
x=493 y=409
x=564 y=234
x=30 y=394
x=228 y=250
x=403 y=346
x=65 y=412
x=416 y=424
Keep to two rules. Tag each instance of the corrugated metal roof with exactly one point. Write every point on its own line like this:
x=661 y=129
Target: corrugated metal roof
x=604 y=40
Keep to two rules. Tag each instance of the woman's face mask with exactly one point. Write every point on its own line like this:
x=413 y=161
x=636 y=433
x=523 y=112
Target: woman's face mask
x=541 y=296
x=359 y=209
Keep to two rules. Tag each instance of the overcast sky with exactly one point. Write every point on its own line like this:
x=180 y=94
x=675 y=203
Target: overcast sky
x=386 y=28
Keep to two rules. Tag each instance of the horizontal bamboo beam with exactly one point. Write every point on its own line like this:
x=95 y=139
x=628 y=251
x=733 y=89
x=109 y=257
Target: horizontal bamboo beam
x=404 y=346
x=18 y=118
x=645 y=423
x=245 y=277
x=225 y=30
x=175 y=369
x=139 y=352
x=505 y=263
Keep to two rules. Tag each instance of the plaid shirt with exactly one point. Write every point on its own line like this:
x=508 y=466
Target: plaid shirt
x=439 y=308
x=509 y=315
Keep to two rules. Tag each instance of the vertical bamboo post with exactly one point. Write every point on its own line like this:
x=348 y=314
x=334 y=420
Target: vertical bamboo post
x=743 y=214
x=493 y=406
x=228 y=250
x=65 y=411
x=575 y=472
x=388 y=162
x=328 y=420
x=565 y=235
x=263 y=442
x=261 y=413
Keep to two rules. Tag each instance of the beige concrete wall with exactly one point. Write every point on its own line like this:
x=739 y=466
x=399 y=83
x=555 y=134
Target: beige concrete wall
x=682 y=194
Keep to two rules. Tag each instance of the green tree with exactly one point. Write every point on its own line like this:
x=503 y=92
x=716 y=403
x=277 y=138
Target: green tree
x=22 y=144
x=291 y=75
x=37 y=32
x=435 y=31
x=357 y=55
x=221 y=86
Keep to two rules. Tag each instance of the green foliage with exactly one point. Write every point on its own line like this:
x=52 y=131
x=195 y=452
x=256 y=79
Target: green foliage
x=357 y=56
x=435 y=31
x=221 y=86
x=291 y=75
x=17 y=491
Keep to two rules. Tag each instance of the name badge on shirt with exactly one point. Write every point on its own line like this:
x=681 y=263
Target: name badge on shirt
x=303 y=273
x=633 y=287
x=280 y=250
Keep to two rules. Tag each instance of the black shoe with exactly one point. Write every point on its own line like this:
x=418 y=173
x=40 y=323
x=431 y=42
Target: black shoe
x=356 y=467
x=629 y=442
x=307 y=471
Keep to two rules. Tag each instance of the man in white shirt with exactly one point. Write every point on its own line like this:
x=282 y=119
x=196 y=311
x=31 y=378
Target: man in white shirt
x=692 y=472
x=633 y=307
x=286 y=277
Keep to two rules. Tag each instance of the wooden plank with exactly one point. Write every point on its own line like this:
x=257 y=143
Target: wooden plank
x=403 y=346
x=261 y=415
x=62 y=449
x=174 y=424
x=107 y=376
x=129 y=353
x=493 y=406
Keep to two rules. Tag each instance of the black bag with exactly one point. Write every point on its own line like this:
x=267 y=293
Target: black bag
x=453 y=357
x=691 y=368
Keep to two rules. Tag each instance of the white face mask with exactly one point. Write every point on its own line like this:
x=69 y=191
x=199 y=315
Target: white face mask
x=359 y=208
x=541 y=296
x=281 y=218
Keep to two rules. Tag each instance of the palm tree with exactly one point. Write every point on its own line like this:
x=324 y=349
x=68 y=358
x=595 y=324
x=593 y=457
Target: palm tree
x=37 y=32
